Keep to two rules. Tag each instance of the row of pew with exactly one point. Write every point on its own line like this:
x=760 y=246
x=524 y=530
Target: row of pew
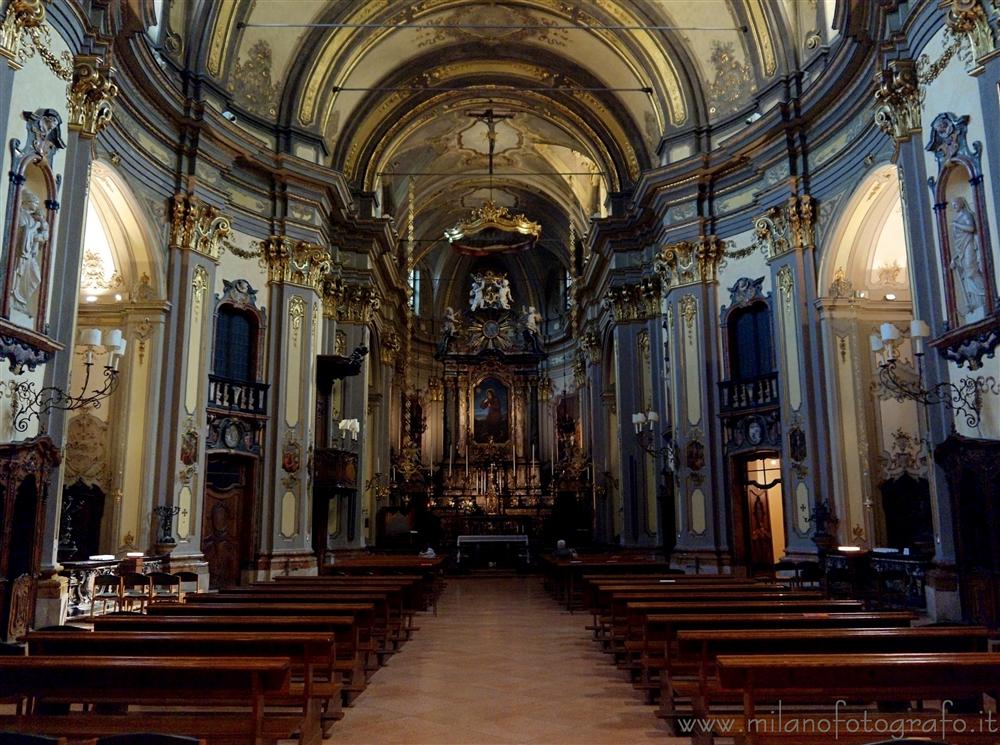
x=757 y=662
x=256 y=664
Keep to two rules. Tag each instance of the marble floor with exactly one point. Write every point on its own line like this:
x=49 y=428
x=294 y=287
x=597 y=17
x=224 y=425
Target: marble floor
x=501 y=663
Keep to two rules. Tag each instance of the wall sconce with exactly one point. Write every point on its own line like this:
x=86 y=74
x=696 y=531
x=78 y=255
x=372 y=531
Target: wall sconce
x=964 y=398
x=349 y=427
x=31 y=404
x=645 y=422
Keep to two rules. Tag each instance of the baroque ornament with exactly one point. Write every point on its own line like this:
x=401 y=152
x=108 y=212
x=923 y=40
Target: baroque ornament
x=788 y=228
x=23 y=34
x=898 y=98
x=198 y=227
x=733 y=82
x=969 y=20
x=689 y=262
x=689 y=312
x=296 y=262
x=251 y=81
x=89 y=95
x=638 y=302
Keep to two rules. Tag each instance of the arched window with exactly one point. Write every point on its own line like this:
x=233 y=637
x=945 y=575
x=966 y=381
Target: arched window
x=415 y=290
x=235 y=344
x=751 y=347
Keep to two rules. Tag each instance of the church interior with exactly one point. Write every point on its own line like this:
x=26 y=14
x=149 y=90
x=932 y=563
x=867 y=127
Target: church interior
x=608 y=371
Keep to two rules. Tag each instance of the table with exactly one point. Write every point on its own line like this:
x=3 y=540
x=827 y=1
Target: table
x=503 y=540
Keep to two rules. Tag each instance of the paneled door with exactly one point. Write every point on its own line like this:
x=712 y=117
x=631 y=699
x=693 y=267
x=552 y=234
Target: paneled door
x=225 y=522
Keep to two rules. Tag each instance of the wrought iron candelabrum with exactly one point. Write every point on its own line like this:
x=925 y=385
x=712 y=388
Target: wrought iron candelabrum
x=965 y=398
x=31 y=403
x=166 y=514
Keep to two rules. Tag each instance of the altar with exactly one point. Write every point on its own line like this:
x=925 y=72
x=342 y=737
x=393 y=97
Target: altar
x=492 y=549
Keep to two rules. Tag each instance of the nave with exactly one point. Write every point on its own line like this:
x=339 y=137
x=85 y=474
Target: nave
x=501 y=663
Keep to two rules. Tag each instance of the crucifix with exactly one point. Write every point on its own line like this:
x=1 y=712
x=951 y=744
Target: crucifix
x=490 y=119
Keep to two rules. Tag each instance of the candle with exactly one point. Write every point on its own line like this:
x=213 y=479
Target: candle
x=532 y=454
x=451 y=454
x=466 y=460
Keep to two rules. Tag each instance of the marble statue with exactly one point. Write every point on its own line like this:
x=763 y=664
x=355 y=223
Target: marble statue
x=505 y=298
x=532 y=329
x=33 y=235
x=448 y=330
x=966 y=261
x=476 y=293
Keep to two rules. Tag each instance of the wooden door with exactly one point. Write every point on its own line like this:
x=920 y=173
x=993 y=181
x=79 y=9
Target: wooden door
x=224 y=532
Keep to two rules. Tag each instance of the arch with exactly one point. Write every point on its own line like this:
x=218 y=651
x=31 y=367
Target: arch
x=868 y=237
x=129 y=235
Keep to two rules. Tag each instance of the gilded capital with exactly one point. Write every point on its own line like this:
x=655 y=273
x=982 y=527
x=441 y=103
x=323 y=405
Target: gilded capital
x=296 y=262
x=897 y=99
x=21 y=16
x=788 y=228
x=969 y=19
x=390 y=347
x=198 y=227
x=634 y=302
x=689 y=262
x=89 y=95
x=590 y=345
x=357 y=303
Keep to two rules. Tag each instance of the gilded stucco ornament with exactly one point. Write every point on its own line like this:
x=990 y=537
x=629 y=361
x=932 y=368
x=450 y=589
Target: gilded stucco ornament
x=198 y=227
x=634 y=302
x=970 y=20
x=788 y=228
x=390 y=347
x=689 y=262
x=251 y=82
x=296 y=262
x=590 y=345
x=898 y=98
x=23 y=34
x=89 y=95
x=357 y=303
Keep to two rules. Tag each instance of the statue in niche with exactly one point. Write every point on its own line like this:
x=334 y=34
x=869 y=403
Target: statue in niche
x=32 y=237
x=532 y=329
x=966 y=262
x=448 y=331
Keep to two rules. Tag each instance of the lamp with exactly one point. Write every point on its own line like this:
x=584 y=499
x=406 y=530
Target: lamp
x=964 y=398
x=349 y=426
x=31 y=403
x=645 y=423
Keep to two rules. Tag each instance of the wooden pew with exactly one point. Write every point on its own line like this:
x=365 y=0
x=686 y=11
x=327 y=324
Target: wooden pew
x=640 y=648
x=350 y=657
x=824 y=680
x=661 y=630
x=312 y=654
x=690 y=671
x=420 y=590
x=387 y=607
x=226 y=703
x=369 y=631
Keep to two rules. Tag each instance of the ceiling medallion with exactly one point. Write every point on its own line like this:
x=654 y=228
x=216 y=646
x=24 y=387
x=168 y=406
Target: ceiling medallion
x=492 y=229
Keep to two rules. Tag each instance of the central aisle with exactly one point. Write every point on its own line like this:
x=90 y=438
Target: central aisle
x=501 y=663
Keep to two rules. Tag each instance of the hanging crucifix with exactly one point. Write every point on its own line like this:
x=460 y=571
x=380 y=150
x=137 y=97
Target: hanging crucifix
x=490 y=119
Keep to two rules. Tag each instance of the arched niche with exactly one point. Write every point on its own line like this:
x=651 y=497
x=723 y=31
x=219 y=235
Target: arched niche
x=31 y=212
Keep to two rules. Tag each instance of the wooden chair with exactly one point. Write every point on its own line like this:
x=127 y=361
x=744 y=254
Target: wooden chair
x=148 y=739
x=137 y=589
x=189 y=582
x=107 y=588
x=21 y=738
x=165 y=587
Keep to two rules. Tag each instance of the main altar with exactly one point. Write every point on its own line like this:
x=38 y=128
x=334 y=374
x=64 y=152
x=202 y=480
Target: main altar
x=492 y=476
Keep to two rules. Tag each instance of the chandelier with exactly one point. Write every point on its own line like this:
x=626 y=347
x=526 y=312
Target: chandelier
x=492 y=228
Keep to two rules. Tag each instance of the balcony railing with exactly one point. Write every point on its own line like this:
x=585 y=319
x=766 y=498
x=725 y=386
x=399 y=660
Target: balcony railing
x=753 y=393
x=237 y=396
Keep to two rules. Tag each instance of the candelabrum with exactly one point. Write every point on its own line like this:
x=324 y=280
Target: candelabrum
x=965 y=397
x=166 y=514
x=31 y=403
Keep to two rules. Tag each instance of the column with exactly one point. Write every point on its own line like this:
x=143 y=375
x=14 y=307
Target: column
x=296 y=270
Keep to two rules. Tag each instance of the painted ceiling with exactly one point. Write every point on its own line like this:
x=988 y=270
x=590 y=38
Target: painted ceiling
x=592 y=87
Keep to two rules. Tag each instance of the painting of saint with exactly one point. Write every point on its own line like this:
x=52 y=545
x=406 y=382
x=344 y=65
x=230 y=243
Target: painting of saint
x=492 y=411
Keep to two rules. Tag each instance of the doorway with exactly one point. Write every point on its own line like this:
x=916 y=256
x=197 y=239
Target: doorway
x=225 y=534
x=761 y=511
